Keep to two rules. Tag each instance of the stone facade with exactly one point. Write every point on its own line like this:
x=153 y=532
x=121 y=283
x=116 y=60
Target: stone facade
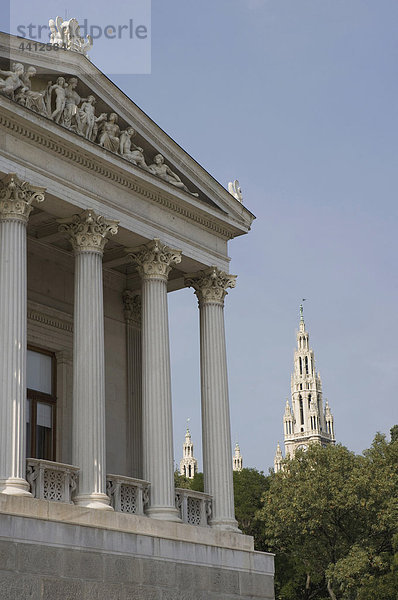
x=95 y=231
x=306 y=420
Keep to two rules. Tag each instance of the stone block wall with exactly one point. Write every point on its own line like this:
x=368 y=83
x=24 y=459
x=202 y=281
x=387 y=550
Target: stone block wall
x=42 y=559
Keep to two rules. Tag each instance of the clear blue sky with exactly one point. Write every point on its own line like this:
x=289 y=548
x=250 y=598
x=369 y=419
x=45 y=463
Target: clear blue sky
x=298 y=100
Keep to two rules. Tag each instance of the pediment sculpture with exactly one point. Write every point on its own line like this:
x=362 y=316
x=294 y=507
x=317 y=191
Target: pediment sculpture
x=60 y=102
x=67 y=34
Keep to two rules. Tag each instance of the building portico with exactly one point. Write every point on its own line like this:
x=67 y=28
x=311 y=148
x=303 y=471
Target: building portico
x=96 y=230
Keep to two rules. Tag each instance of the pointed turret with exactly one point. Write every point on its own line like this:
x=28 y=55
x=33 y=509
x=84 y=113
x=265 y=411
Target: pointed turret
x=237 y=460
x=329 y=421
x=278 y=459
x=188 y=463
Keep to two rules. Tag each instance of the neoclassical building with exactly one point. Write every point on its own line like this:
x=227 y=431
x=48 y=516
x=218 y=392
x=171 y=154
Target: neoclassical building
x=102 y=215
x=306 y=420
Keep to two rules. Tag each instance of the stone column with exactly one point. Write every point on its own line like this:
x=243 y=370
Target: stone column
x=132 y=313
x=87 y=233
x=16 y=198
x=154 y=262
x=210 y=288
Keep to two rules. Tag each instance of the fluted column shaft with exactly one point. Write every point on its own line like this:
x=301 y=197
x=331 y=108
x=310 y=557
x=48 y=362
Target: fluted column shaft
x=210 y=288
x=16 y=198
x=87 y=233
x=132 y=312
x=154 y=263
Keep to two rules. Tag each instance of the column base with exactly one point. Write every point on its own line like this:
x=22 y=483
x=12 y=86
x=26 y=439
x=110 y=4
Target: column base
x=98 y=501
x=225 y=525
x=15 y=486
x=163 y=513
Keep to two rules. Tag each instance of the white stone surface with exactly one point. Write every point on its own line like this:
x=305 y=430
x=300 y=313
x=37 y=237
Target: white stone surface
x=211 y=288
x=87 y=233
x=154 y=262
x=16 y=198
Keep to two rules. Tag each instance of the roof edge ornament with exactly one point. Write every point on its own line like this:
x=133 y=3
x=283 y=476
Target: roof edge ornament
x=67 y=35
x=235 y=190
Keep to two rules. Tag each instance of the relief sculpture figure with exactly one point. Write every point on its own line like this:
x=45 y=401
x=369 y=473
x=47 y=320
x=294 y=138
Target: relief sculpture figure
x=108 y=133
x=11 y=80
x=88 y=121
x=130 y=151
x=29 y=98
x=163 y=171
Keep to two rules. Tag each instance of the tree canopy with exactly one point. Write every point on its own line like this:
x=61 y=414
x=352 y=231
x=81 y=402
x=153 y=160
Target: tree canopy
x=332 y=518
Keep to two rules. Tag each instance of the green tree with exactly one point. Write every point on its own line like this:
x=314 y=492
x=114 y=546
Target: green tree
x=331 y=517
x=249 y=487
x=180 y=481
x=394 y=433
x=197 y=482
x=370 y=570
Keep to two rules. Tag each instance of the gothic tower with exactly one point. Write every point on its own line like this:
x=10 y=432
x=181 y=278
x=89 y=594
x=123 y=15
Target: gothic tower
x=305 y=420
x=188 y=464
x=237 y=460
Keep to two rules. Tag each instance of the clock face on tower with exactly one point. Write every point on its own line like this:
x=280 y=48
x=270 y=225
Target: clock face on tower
x=302 y=447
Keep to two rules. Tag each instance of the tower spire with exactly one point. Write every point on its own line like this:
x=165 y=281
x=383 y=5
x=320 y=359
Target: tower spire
x=302 y=324
x=237 y=460
x=188 y=463
x=305 y=420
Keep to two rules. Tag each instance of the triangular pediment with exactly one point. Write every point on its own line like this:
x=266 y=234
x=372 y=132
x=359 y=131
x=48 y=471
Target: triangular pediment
x=83 y=105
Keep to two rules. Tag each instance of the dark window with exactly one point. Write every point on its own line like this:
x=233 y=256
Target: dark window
x=301 y=410
x=306 y=365
x=41 y=404
x=300 y=366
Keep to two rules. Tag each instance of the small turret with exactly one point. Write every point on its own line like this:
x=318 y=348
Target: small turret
x=237 y=460
x=188 y=463
x=278 y=459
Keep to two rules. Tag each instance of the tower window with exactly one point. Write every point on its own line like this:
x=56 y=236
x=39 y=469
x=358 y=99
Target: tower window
x=300 y=365
x=306 y=365
x=301 y=410
x=309 y=401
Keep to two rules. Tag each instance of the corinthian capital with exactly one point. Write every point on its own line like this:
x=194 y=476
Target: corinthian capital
x=16 y=198
x=211 y=285
x=154 y=260
x=132 y=308
x=87 y=231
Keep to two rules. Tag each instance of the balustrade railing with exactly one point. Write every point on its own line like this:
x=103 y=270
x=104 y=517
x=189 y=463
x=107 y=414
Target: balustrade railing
x=51 y=480
x=58 y=482
x=194 y=507
x=127 y=495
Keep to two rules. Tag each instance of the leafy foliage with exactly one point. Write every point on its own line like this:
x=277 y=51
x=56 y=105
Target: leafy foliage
x=332 y=518
x=249 y=487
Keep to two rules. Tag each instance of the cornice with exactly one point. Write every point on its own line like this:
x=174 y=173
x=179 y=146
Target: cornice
x=91 y=164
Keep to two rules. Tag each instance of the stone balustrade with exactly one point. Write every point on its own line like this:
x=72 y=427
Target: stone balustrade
x=194 y=507
x=51 y=480
x=126 y=494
